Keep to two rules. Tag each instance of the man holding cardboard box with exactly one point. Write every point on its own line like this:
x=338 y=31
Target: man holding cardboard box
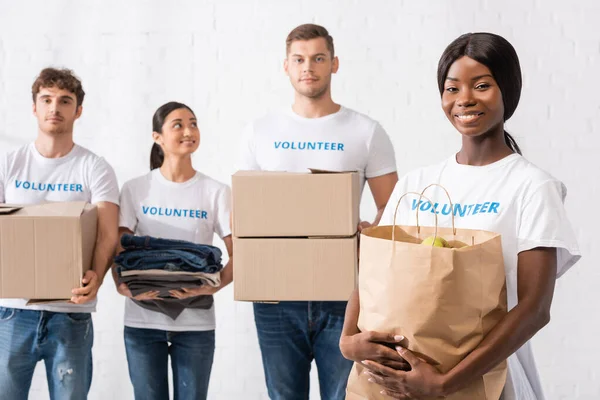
x=55 y=169
x=316 y=133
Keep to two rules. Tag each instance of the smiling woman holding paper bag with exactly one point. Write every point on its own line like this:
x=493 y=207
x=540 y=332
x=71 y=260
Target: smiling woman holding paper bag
x=494 y=189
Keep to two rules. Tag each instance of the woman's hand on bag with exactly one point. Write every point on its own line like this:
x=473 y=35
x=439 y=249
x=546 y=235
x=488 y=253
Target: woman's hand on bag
x=374 y=346
x=423 y=379
x=151 y=295
x=185 y=293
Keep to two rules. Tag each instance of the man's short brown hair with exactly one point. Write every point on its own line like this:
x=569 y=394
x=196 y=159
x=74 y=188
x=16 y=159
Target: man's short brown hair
x=307 y=32
x=63 y=79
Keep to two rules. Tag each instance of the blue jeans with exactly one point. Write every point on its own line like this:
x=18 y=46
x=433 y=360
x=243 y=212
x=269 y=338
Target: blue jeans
x=191 y=353
x=146 y=252
x=62 y=340
x=290 y=335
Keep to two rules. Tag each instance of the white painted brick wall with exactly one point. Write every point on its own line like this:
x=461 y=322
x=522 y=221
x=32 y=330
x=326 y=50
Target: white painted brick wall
x=224 y=57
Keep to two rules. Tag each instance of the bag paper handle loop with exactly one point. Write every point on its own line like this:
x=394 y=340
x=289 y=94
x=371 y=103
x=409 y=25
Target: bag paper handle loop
x=421 y=196
x=451 y=208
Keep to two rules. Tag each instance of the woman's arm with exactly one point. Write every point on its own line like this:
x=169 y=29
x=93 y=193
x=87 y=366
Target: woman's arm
x=536 y=277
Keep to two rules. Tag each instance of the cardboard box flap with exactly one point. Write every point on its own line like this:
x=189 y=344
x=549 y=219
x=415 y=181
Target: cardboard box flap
x=263 y=173
x=62 y=209
x=283 y=173
x=6 y=209
x=324 y=171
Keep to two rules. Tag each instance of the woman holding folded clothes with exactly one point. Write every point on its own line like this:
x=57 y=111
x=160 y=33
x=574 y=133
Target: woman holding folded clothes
x=479 y=80
x=184 y=208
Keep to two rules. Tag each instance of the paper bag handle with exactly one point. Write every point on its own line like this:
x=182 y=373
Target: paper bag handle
x=421 y=196
x=451 y=208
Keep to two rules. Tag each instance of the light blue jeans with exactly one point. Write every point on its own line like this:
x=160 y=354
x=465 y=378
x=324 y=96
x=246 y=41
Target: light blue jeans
x=62 y=340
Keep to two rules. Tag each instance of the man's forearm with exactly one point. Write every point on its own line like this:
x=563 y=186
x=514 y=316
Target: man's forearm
x=227 y=273
x=104 y=255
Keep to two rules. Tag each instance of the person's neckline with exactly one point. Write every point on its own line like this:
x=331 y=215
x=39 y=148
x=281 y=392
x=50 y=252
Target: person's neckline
x=293 y=114
x=499 y=163
x=54 y=160
x=161 y=178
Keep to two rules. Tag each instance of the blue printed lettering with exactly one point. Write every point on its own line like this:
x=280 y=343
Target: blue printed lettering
x=177 y=213
x=327 y=146
x=494 y=208
x=153 y=211
x=340 y=147
x=302 y=146
x=484 y=207
x=18 y=183
x=145 y=209
x=26 y=185
x=477 y=208
x=285 y=145
x=169 y=212
x=446 y=209
x=277 y=145
x=204 y=215
x=459 y=211
x=72 y=187
x=160 y=213
x=293 y=146
x=414 y=205
x=51 y=187
x=80 y=188
x=425 y=205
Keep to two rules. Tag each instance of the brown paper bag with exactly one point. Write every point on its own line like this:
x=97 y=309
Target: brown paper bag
x=444 y=301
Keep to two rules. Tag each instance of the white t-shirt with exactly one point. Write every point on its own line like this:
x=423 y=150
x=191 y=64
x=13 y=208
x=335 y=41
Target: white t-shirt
x=342 y=141
x=27 y=177
x=193 y=211
x=511 y=197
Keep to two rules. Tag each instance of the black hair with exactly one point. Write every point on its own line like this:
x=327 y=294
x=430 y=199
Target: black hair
x=500 y=57
x=157 y=156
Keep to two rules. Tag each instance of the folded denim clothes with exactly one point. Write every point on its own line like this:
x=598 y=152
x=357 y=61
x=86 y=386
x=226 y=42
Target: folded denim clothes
x=153 y=264
x=145 y=252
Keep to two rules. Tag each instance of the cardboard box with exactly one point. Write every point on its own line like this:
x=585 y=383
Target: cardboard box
x=286 y=269
x=286 y=204
x=45 y=249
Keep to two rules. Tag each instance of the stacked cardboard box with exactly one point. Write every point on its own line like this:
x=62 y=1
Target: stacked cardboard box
x=295 y=235
x=45 y=249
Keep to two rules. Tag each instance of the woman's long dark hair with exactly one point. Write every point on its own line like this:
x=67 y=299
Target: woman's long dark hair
x=158 y=120
x=500 y=57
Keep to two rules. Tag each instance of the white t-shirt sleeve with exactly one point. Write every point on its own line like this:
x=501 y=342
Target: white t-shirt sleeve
x=127 y=215
x=223 y=210
x=247 y=151
x=381 y=158
x=544 y=223
x=104 y=186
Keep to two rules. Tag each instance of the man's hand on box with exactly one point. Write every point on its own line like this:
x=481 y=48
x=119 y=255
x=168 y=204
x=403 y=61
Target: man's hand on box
x=374 y=346
x=91 y=284
x=364 y=224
